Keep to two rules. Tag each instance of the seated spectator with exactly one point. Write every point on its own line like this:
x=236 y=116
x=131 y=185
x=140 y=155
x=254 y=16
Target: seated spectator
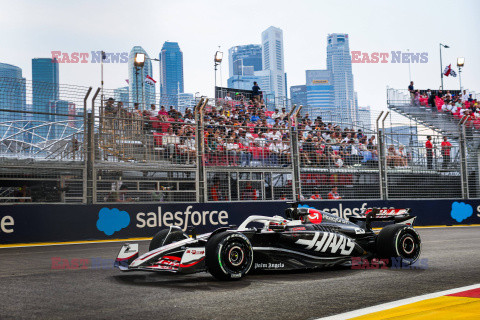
x=333 y=194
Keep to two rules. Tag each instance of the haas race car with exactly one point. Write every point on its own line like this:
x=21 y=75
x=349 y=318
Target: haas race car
x=305 y=238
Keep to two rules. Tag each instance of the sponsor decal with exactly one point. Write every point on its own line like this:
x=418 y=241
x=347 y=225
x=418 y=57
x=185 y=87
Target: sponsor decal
x=359 y=231
x=299 y=229
x=389 y=57
x=329 y=242
x=86 y=57
x=112 y=220
x=269 y=265
x=461 y=211
x=181 y=219
x=315 y=217
x=6 y=224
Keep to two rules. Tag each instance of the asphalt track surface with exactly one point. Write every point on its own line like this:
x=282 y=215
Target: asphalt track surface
x=29 y=288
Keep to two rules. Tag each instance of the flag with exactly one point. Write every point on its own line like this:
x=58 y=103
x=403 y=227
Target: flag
x=150 y=80
x=453 y=73
x=447 y=70
x=127 y=81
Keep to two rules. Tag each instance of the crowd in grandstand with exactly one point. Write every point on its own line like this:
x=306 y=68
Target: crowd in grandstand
x=455 y=105
x=244 y=133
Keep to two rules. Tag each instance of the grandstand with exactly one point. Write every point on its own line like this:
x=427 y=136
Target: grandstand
x=231 y=148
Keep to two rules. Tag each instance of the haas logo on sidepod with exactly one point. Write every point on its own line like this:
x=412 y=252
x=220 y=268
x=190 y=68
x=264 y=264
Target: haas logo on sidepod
x=330 y=242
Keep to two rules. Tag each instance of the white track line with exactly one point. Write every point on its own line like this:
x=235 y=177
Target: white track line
x=398 y=303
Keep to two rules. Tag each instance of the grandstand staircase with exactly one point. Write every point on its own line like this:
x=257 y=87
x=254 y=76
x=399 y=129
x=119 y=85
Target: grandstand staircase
x=439 y=122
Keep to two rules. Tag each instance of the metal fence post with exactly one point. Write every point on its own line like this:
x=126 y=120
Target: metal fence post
x=292 y=121
x=91 y=152
x=463 y=157
x=201 y=194
x=380 y=159
x=85 y=147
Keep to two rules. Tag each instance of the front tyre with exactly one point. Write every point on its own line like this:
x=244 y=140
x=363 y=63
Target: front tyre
x=399 y=241
x=228 y=255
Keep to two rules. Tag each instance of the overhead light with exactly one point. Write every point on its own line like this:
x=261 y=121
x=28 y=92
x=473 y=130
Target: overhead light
x=218 y=56
x=139 y=59
x=460 y=62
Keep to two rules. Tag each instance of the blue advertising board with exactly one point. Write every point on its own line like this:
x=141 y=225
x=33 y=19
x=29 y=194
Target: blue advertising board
x=31 y=223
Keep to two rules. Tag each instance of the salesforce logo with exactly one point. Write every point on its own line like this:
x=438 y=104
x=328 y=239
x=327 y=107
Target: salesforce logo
x=461 y=211
x=112 y=220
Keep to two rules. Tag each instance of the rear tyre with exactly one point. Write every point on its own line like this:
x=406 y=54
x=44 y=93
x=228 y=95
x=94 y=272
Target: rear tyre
x=228 y=255
x=397 y=241
x=164 y=237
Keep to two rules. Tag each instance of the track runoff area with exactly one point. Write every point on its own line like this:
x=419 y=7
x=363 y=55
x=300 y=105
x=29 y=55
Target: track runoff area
x=77 y=281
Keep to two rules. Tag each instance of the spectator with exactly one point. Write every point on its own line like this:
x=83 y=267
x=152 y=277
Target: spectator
x=315 y=195
x=152 y=112
x=215 y=193
x=429 y=149
x=256 y=92
x=412 y=92
x=333 y=194
x=446 y=148
x=119 y=196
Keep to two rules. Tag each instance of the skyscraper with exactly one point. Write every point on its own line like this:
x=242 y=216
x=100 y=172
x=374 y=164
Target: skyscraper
x=298 y=95
x=171 y=73
x=339 y=63
x=245 y=60
x=45 y=86
x=12 y=95
x=365 y=118
x=273 y=61
x=121 y=94
x=320 y=94
x=140 y=91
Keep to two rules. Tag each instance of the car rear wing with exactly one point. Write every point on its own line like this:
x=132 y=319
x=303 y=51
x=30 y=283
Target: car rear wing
x=401 y=216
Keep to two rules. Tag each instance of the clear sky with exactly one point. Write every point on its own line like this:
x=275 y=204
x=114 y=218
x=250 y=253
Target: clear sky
x=31 y=29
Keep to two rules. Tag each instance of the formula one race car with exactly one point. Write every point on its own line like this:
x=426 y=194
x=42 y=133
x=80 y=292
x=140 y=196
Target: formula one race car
x=305 y=238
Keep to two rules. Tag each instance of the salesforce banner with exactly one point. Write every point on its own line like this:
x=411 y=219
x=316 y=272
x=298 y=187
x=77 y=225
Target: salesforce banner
x=52 y=223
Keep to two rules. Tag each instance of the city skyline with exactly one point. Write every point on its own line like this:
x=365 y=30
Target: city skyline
x=302 y=52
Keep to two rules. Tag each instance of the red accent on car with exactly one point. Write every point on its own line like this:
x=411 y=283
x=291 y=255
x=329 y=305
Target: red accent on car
x=315 y=216
x=172 y=258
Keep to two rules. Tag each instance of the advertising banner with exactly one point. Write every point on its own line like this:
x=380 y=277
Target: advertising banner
x=57 y=223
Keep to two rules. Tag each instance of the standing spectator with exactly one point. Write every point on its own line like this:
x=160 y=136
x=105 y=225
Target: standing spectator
x=446 y=146
x=333 y=195
x=429 y=148
x=464 y=96
x=215 y=192
x=412 y=92
x=153 y=112
x=256 y=92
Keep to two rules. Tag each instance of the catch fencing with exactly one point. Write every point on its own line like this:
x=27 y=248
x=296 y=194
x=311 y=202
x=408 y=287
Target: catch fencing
x=70 y=144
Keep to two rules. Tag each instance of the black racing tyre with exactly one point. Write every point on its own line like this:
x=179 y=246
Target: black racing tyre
x=399 y=241
x=160 y=239
x=228 y=255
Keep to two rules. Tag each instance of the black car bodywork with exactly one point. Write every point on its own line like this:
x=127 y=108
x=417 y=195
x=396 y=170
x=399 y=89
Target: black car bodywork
x=304 y=238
